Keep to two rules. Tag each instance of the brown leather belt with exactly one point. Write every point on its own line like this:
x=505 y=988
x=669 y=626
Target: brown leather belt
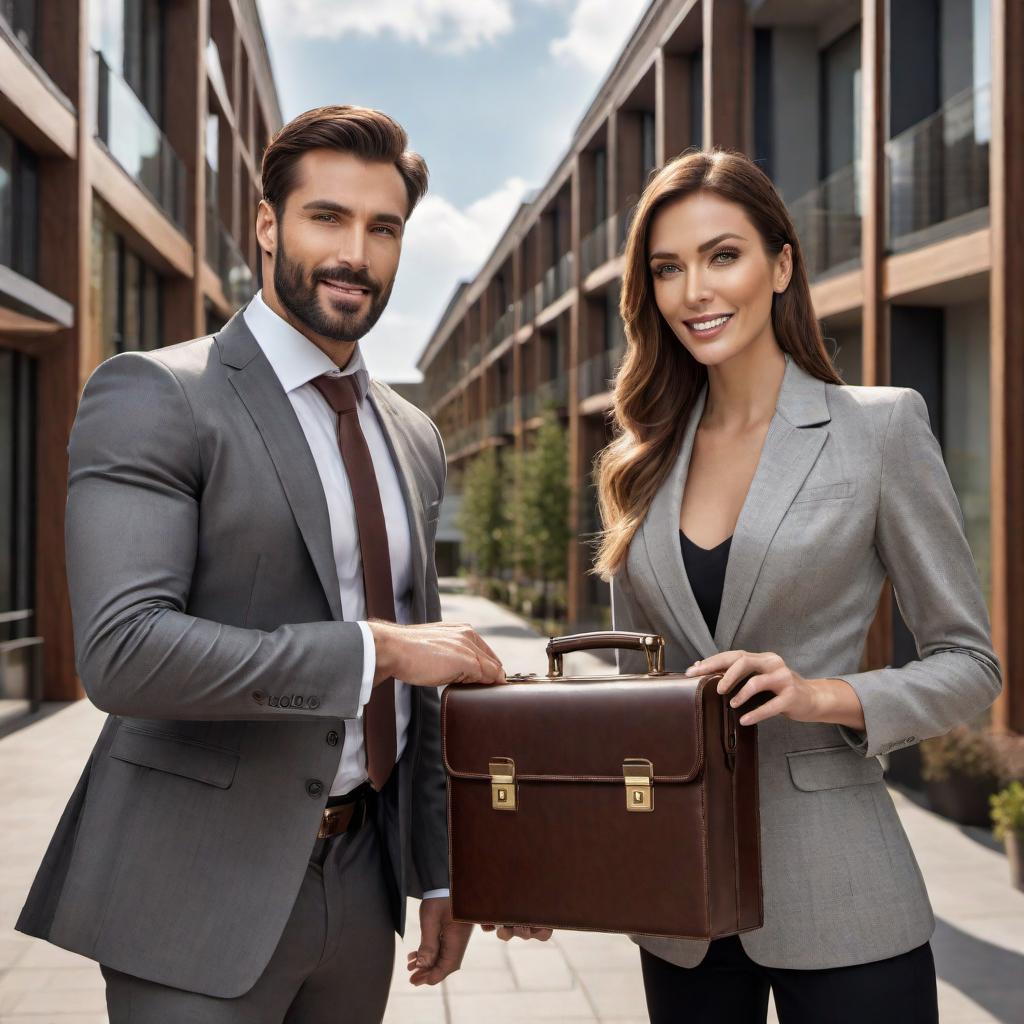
x=343 y=817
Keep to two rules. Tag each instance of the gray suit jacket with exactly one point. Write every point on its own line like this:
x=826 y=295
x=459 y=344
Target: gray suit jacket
x=850 y=487
x=208 y=624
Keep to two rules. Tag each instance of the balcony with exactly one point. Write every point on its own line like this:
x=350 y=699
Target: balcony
x=594 y=248
x=500 y=420
x=473 y=355
x=938 y=169
x=596 y=374
x=135 y=141
x=502 y=328
x=827 y=222
x=528 y=305
x=548 y=394
x=556 y=280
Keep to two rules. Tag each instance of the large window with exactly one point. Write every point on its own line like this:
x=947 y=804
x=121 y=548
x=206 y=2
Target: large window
x=17 y=480
x=20 y=16
x=18 y=206
x=126 y=300
x=128 y=33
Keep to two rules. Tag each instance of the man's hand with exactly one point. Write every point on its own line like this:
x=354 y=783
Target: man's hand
x=442 y=943
x=433 y=654
x=518 y=931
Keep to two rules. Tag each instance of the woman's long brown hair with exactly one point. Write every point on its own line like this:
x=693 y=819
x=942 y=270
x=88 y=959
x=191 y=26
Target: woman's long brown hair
x=659 y=380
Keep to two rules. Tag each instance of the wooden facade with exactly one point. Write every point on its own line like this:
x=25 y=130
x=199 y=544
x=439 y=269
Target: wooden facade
x=213 y=66
x=694 y=72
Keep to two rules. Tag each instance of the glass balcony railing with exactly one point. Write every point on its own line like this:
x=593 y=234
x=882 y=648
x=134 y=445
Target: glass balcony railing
x=827 y=221
x=551 y=392
x=473 y=355
x=596 y=374
x=235 y=275
x=938 y=169
x=499 y=421
x=556 y=280
x=502 y=328
x=594 y=248
x=136 y=142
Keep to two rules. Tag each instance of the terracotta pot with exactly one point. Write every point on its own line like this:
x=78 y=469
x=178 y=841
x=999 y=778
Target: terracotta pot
x=1015 y=855
x=962 y=798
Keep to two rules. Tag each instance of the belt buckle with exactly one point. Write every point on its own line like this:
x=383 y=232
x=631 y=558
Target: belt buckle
x=329 y=813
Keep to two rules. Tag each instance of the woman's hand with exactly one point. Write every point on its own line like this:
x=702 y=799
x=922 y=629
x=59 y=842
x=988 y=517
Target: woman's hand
x=796 y=698
x=519 y=931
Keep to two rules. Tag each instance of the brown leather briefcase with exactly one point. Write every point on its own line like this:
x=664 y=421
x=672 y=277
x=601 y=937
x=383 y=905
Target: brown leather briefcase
x=621 y=803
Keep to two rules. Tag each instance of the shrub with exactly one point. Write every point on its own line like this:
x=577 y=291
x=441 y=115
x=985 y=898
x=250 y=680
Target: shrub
x=1008 y=810
x=962 y=751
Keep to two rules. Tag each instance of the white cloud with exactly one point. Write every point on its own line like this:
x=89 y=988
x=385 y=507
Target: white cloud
x=449 y=25
x=443 y=245
x=597 y=31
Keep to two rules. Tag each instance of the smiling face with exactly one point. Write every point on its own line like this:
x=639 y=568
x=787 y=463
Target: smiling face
x=335 y=243
x=713 y=281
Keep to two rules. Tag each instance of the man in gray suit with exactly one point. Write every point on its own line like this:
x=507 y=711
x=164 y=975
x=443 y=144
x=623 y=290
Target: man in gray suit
x=249 y=536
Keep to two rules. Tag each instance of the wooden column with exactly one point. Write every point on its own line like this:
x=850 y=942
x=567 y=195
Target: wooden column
x=1006 y=206
x=65 y=234
x=577 y=562
x=671 y=106
x=876 y=363
x=726 y=74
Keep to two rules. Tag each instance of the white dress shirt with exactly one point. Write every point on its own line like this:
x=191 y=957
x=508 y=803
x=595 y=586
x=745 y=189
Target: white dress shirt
x=297 y=361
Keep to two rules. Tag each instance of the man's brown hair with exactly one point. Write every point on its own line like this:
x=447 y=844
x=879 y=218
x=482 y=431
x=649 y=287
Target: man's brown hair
x=368 y=134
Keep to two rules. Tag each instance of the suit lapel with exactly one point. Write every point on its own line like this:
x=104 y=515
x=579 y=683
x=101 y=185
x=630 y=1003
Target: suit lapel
x=661 y=539
x=260 y=391
x=398 y=444
x=795 y=436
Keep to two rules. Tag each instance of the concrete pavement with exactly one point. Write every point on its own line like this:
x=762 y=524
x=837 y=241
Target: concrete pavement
x=576 y=977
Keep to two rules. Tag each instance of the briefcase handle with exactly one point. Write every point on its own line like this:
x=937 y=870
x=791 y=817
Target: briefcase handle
x=651 y=644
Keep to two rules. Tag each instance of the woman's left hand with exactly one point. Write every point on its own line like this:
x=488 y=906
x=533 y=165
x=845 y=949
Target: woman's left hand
x=797 y=698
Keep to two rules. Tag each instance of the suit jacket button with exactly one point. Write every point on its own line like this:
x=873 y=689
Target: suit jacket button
x=259 y=696
x=314 y=787
x=297 y=702
x=285 y=701
x=273 y=702
x=313 y=702
x=332 y=738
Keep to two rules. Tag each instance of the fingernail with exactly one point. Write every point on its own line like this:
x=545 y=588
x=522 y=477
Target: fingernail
x=733 y=703
x=691 y=671
x=745 y=720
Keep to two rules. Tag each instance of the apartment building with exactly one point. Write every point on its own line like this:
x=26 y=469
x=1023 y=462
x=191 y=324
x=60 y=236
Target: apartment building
x=131 y=134
x=895 y=133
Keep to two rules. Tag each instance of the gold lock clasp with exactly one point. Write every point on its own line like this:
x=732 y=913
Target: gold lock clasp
x=503 y=783
x=639 y=775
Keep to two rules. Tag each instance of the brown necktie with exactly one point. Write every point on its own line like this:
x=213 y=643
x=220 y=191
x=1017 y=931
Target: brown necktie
x=379 y=713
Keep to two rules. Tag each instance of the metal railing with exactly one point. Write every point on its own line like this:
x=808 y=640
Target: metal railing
x=596 y=374
x=594 y=247
x=827 y=221
x=938 y=169
x=556 y=280
x=135 y=141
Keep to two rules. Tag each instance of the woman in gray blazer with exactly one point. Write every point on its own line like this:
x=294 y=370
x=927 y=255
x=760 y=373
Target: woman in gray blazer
x=753 y=506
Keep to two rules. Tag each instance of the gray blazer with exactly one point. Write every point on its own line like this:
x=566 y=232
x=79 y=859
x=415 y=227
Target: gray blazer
x=850 y=487
x=208 y=624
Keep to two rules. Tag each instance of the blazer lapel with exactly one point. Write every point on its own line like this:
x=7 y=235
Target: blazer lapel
x=261 y=392
x=660 y=534
x=412 y=492
x=795 y=436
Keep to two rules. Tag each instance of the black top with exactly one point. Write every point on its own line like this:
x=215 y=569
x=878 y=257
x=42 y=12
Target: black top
x=705 y=569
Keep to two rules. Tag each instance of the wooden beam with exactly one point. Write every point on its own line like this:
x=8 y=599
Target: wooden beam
x=1006 y=205
x=726 y=74
x=34 y=109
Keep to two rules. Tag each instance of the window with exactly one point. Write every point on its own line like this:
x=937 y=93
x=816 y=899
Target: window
x=20 y=15
x=126 y=294
x=648 y=155
x=129 y=33
x=19 y=203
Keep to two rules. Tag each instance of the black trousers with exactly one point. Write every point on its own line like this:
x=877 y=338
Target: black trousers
x=727 y=987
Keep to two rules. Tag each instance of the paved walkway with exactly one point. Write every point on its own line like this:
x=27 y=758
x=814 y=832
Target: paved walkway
x=979 y=942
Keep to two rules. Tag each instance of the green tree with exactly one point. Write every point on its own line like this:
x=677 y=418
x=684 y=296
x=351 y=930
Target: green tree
x=481 y=517
x=545 y=501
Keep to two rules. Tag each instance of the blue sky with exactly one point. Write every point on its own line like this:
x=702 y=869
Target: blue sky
x=490 y=92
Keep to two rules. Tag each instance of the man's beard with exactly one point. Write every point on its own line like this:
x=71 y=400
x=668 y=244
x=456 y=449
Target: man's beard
x=298 y=294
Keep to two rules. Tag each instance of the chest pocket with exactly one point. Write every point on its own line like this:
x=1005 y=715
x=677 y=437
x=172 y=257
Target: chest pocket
x=826 y=492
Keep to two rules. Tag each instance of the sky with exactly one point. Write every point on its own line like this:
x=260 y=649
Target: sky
x=490 y=93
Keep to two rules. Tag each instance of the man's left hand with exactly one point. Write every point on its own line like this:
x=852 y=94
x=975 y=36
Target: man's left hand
x=443 y=943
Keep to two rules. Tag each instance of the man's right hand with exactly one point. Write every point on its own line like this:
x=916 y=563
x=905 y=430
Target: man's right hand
x=433 y=654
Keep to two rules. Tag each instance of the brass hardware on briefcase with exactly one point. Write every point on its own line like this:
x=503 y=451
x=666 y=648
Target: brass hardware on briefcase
x=503 y=783
x=639 y=776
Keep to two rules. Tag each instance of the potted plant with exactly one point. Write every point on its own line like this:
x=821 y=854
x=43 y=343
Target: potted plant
x=961 y=771
x=1008 y=818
